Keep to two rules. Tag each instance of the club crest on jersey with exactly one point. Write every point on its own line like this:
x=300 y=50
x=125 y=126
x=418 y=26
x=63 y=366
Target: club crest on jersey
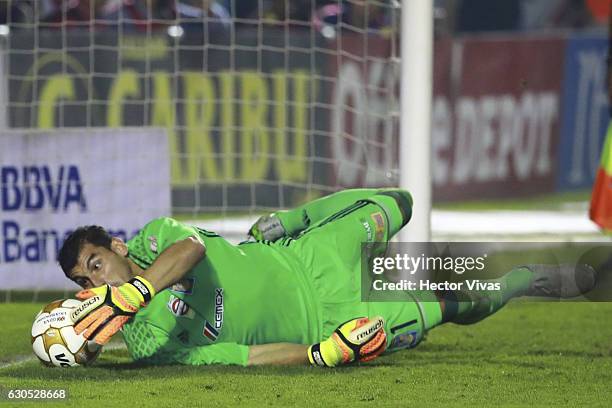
x=211 y=330
x=184 y=286
x=153 y=243
x=180 y=308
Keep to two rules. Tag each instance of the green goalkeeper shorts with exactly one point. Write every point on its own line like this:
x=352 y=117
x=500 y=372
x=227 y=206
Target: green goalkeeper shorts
x=331 y=251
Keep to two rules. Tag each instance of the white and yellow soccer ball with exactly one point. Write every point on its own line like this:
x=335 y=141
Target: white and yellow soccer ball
x=54 y=340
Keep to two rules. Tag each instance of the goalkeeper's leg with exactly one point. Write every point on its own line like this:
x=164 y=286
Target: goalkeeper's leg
x=471 y=306
x=407 y=322
x=300 y=218
x=556 y=281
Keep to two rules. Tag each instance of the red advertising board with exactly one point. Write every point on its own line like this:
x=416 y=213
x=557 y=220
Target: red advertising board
x=495 y=119
x=496 y=125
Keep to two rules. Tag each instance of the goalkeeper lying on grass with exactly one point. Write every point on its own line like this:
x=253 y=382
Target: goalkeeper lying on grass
x=186 y=295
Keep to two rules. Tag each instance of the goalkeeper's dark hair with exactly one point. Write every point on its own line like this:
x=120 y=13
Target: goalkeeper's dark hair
x=90 y=234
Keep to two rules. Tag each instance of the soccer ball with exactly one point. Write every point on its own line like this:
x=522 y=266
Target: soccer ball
x=54 y=340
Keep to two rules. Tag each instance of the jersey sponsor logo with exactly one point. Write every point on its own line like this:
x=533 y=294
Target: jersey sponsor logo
x=210 y=332
x=218 y=308
x=379 y=221
x=184 y=286
x=368 y=229
x=153 y=243
x=404 y=340
x=180 y=308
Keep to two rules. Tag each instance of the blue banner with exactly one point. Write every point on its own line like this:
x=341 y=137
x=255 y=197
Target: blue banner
x=585 y=111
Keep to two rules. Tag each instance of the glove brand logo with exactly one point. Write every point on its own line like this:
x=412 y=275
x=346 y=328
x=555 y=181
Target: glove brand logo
x=84 y=306
x=141 y=287
x=371 y=330
x=318 y=359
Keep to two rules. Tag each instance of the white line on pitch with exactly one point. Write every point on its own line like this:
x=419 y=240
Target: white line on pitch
x=25 y=359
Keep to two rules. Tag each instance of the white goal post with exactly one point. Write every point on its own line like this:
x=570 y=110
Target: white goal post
x=415 y=123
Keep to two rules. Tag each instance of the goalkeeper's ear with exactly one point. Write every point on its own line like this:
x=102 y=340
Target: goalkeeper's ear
x=119 y=247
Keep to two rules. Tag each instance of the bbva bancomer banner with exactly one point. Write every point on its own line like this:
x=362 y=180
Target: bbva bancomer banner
x=52 y=182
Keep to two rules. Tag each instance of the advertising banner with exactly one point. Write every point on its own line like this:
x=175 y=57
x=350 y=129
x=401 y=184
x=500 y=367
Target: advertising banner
x=272 y=119
x=238 y=115
x=52 y=182
x=585 y=112
x=363 y=122
x=495 y=116
x=503 y=109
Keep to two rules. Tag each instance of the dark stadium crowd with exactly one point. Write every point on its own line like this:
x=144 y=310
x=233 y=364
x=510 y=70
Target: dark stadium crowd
x=155 y=14
x=451 y=16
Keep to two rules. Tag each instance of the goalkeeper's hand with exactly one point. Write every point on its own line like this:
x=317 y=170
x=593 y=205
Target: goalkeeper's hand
x=360 y=339
x=106 y=309
x=268 y=227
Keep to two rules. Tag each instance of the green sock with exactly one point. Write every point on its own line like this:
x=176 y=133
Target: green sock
x=515 y=283
x=470 y=306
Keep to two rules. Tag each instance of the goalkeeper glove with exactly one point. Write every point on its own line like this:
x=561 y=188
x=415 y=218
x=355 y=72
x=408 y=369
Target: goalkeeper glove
x=268 y=227
x=360 y=339
x=106 y=309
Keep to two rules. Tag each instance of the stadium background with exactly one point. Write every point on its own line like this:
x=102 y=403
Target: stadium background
x=270 y=103
x=528 y=99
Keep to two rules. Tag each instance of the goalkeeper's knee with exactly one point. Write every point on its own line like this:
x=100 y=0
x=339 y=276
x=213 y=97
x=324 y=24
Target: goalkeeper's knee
x=397 y=205
x=403 y=200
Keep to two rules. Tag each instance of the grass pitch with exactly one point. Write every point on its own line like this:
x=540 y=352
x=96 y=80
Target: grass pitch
x=528 y=354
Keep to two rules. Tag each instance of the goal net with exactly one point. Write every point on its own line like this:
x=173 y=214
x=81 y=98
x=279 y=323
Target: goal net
x=266 y=103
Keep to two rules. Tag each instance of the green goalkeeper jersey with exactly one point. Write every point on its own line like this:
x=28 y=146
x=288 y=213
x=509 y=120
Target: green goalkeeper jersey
x=238 y=295
x=298 y=289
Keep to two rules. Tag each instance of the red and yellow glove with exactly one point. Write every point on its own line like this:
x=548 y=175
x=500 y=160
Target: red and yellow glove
x=106 y=309
x=360 y=339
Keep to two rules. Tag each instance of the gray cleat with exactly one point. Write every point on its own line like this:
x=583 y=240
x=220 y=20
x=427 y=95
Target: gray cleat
x=561 y=281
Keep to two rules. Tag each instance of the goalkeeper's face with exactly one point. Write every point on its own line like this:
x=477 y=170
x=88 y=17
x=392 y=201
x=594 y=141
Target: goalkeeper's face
x=97 y=265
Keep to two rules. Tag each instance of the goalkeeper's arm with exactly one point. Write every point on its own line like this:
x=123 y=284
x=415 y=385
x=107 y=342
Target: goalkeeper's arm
x=174 y=263
x=106 y=309
x=360 y=339
x=278 y=354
